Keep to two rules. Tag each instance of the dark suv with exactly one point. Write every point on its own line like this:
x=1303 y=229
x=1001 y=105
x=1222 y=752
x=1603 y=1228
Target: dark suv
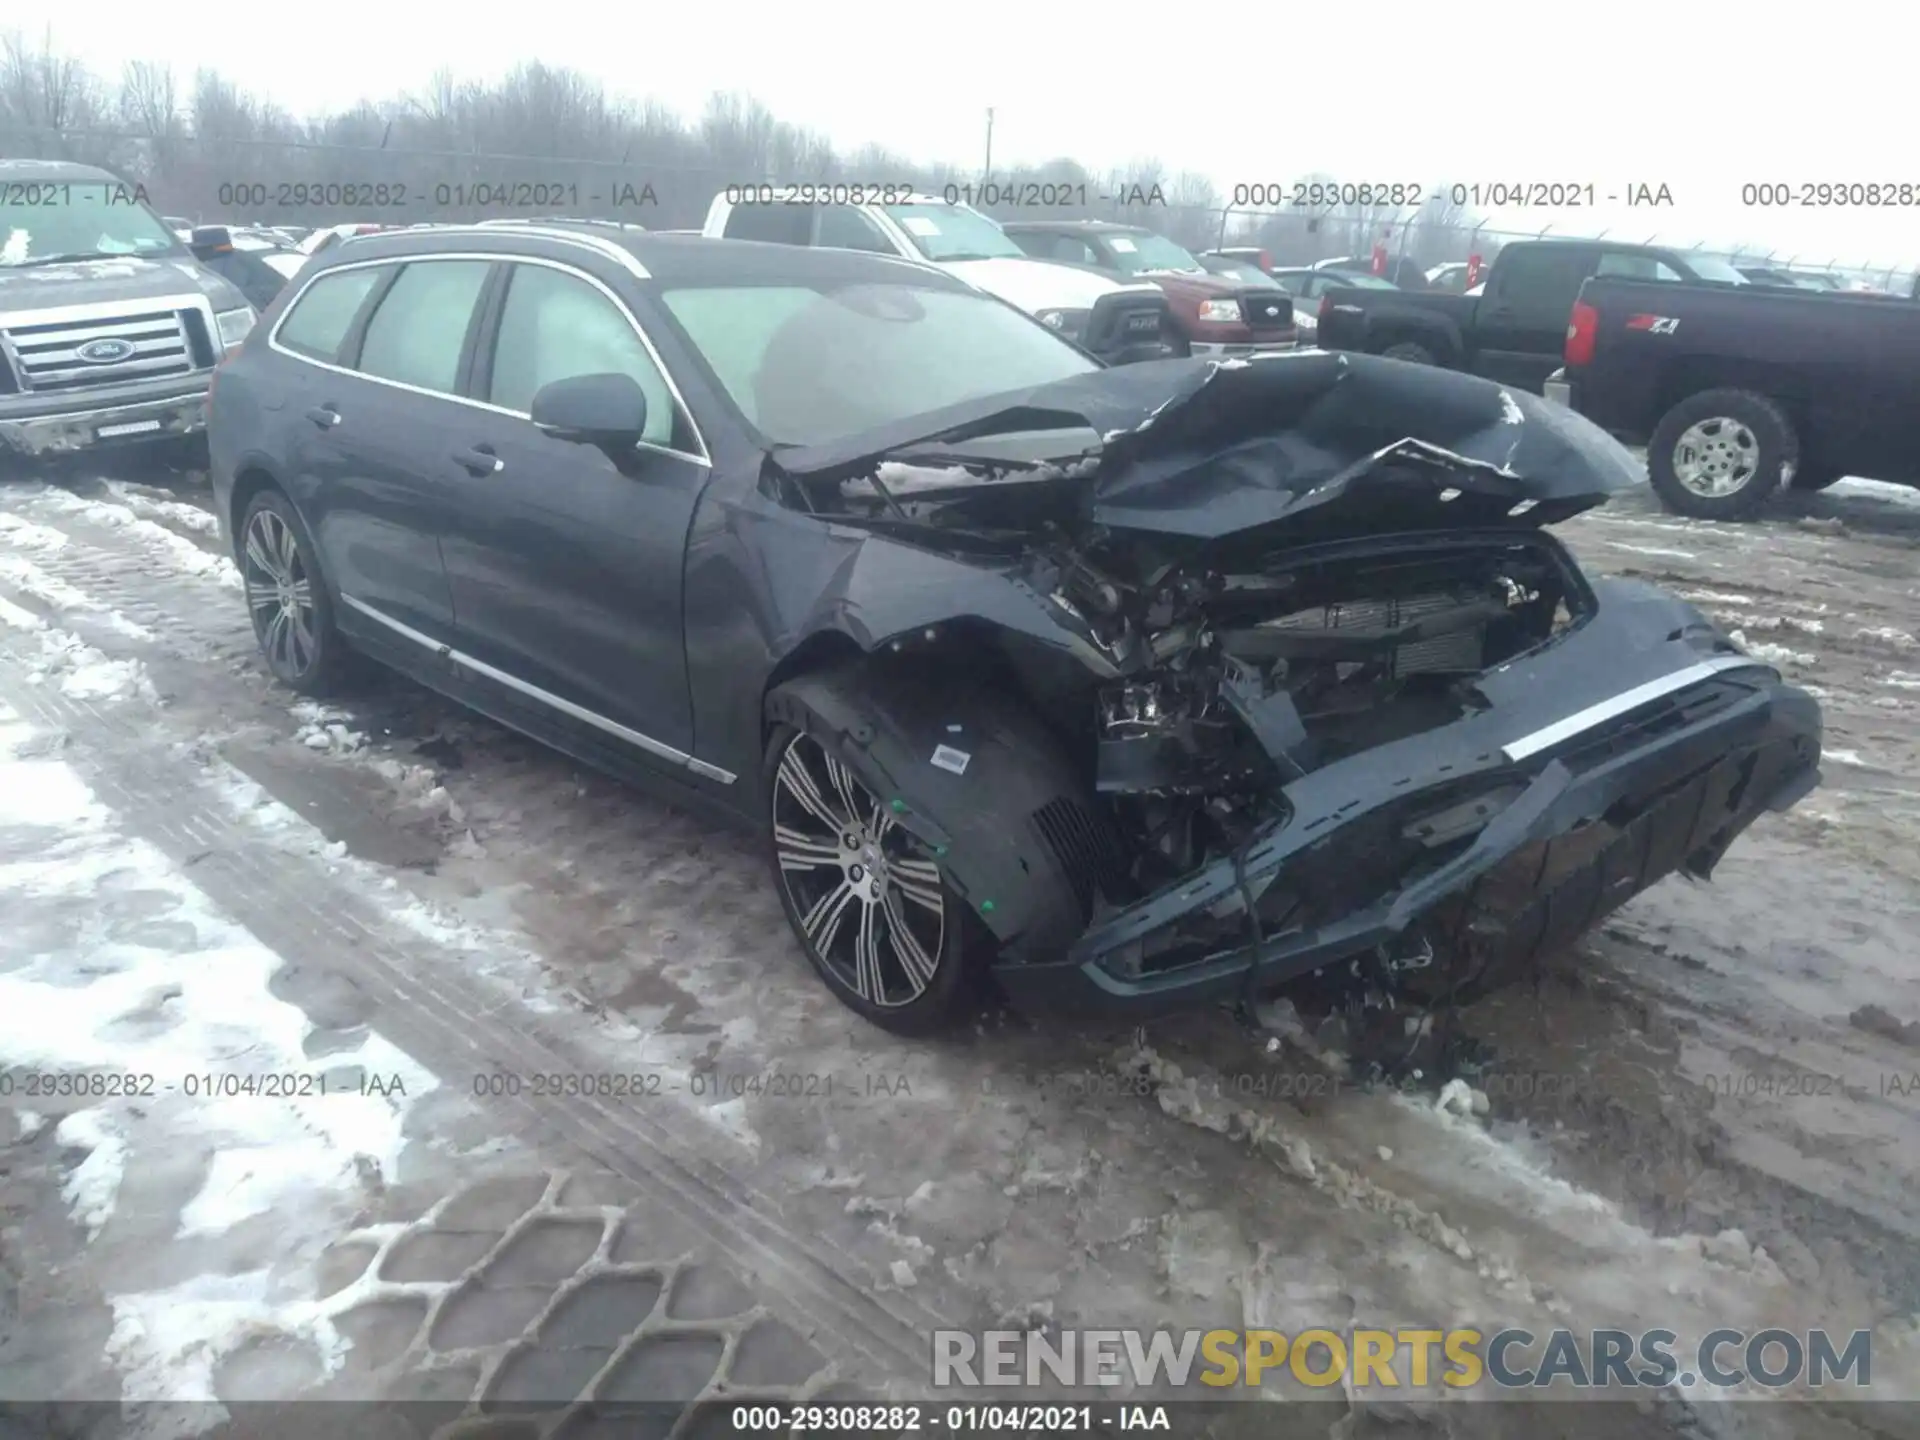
x=991 y=642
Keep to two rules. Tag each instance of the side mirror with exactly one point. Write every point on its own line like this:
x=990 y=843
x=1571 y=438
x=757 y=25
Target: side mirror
x=208 y=240
x=609 y=411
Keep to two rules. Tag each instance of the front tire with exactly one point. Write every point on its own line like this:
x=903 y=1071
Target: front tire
x=1719 y=455
x=287 y=598
x=867 y=902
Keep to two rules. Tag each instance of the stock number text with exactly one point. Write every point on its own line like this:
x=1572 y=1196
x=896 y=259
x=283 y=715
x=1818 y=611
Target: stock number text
x=822 y=194
x=1837 y=195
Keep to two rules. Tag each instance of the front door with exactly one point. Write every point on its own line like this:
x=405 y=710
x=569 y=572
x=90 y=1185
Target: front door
x=1520 y=324
x=566 y=568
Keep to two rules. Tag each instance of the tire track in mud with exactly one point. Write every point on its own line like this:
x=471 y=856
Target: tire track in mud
x=639 y=939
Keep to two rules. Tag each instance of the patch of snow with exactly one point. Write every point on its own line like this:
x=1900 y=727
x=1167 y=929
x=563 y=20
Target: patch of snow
x=14 y=252
x=192 y=517
x=94 y=1185
x=323 y=727
x=1901 y=680
x=34 y=537
x=1771 y=654
x=1714 y=597
x=186 y=998
x=30 y=579
x=1843 y=757
x=180 y=551
x=908 y=479
x=1784 y=622
x=1653 y=550
x=1510 y=411
x=1879 y=489
x=80 y=671
x=1887 y=635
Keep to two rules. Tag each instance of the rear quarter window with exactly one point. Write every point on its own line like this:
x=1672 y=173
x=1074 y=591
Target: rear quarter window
x=778 y=224
x=318 y=323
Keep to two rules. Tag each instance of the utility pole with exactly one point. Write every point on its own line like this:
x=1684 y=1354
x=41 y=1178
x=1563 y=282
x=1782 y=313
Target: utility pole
x=986 y=171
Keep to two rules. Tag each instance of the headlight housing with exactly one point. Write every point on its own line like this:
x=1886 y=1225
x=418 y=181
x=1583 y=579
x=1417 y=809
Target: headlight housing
x=1221 y=312
x=234 y=326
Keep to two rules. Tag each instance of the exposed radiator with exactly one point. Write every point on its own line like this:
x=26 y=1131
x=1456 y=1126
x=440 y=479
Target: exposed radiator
x=1461 y=651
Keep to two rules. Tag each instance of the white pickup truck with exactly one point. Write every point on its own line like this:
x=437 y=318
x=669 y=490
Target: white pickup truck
x=1117 y=323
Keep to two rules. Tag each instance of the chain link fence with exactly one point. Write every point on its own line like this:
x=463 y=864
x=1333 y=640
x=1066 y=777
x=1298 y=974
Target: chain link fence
x=205 y=179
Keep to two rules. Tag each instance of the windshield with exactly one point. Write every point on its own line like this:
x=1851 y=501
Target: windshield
x=1718 y=271
x=84 y=219
x=811 y=365
x=952 y=232
x=1354 y=280
x=1142 y=252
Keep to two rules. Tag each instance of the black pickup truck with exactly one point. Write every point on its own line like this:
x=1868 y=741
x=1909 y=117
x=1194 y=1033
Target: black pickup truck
x=1736 y=392
x=1514 y=331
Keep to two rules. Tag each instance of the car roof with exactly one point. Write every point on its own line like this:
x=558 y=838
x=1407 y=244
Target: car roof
x=55 y=171
x=1106 y=227
x=665 y=258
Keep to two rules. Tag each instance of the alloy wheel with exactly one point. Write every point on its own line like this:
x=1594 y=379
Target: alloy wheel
x=279 y=594
x=868 y=900
x=1716 y=457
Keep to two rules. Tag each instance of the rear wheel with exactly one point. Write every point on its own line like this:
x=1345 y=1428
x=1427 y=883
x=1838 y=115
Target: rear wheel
x=1412 y=353
x=287 y=598
x=866 y=900
x=1720 y=454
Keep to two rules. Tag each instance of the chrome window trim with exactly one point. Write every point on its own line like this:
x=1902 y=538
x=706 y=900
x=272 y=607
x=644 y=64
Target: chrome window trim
x=597 y=243
x=1616 y=705
x=703 y=458
x=657 y=748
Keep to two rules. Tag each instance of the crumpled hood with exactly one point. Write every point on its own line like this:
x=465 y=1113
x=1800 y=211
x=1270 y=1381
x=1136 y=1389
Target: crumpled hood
x=123 y=277
x=1349 y=443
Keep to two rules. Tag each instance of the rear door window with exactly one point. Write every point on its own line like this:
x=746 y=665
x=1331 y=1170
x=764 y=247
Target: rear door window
x=1636 y=267
x=419 y=331
x=318 y=323
x=1539 y=285
x=843 y=227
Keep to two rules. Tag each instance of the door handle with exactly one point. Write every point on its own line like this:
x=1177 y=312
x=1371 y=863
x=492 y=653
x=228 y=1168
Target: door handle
x=479 y=461
x=325 y=416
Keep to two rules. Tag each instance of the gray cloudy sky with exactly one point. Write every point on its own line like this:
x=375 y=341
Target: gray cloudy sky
x=1701 y=97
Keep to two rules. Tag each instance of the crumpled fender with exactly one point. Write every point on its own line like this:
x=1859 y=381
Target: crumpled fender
x=965 y=771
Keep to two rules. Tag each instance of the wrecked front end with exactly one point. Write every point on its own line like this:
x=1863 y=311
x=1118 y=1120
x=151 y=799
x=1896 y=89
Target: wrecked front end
x=1320 y=692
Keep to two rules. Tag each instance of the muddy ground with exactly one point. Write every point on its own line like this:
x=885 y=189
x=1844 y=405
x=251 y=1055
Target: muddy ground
x=1708 y=1114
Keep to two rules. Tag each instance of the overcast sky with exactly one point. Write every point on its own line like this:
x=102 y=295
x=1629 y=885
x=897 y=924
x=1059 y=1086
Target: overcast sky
x=1699 y=97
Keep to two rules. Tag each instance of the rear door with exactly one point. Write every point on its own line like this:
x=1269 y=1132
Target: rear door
x=386 y=413
x=1520 y=324
x=566 y=567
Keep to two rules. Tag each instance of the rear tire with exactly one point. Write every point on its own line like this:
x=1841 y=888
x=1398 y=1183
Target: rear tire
x=1720 y=454
x=288 y=600
x=1413 y=354
x=890 y=939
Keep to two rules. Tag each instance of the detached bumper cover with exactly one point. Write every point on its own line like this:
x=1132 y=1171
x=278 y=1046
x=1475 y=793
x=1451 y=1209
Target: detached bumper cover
x=63 y=424
x=1618 y=756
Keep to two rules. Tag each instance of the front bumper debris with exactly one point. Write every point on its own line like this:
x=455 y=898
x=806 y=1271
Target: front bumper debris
x=1586 y=805
x=92 y=425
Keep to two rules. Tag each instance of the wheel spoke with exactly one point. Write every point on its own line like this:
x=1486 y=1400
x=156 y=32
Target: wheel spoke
x=300 y=639
x=277 y=638
x=798 y=851
x=798 y=782
x=289 y=552
x=302 y=591
x=848 y=789
x=260 y=597
x=914 y=960
x=867 y=982
x=919 y=881
x=822 y=921
x=258 y=553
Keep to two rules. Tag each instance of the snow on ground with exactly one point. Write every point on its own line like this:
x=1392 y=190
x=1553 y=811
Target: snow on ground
x=150 y=1017
x=30 y=579
x=181 y=552
x=149 y=507
x=65 y=660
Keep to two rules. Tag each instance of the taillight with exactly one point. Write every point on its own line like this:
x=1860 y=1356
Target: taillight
x=1582 y=329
